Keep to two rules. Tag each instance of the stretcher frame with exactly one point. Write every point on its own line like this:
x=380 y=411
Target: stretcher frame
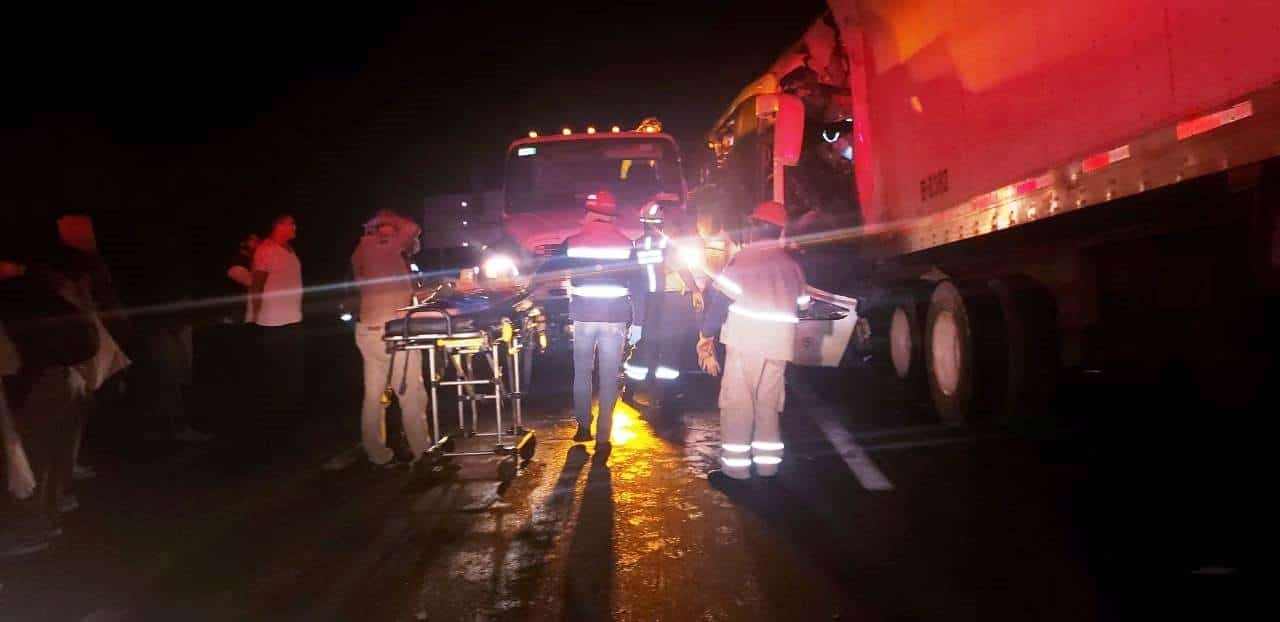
x=517 y=444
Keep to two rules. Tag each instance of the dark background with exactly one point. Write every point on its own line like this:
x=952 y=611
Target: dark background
x=181 y=128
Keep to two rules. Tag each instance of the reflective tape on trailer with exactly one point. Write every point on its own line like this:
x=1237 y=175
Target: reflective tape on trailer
x=1213 y=121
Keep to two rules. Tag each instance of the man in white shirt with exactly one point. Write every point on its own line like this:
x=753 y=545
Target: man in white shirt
x=275 y=307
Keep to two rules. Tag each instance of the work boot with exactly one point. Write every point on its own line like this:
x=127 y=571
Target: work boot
x=583 y=435
x=601 y=457
x=726 y=484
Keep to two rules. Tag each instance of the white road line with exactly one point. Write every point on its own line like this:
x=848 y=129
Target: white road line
x=859 y=462
x=929 y=442
x=875 y=433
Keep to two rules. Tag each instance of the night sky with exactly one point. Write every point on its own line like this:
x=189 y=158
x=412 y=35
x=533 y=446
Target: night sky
x=193 y=125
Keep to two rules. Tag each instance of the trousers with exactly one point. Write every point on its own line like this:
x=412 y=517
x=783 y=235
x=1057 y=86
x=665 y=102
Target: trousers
x=406 y=382
x=282 y=389
x=48 y=419
x=752 y=393
x=669 y=338
x=592 y=340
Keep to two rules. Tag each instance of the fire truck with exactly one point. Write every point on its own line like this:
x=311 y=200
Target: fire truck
x=1020 y=190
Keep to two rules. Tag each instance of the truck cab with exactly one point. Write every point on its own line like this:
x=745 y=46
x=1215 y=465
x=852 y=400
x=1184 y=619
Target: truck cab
x=546 y=181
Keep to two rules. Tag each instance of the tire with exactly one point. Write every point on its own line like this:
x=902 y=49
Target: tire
x=903 y=321
x=529 y=448
x=966 y=351
x=1031 y=330
x=507 y=469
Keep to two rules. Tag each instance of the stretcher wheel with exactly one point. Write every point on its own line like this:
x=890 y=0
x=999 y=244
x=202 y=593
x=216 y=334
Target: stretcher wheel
x=507 y=469
x=528 y=448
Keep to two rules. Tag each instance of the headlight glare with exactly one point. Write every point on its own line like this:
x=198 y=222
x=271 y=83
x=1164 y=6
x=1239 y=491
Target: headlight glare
x=500 y=266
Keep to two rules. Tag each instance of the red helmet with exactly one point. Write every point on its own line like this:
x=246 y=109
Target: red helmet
x=602 y=202
x=771 y=212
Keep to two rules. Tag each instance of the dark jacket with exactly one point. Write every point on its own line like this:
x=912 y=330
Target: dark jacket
x=604 y=275
x=47 y=329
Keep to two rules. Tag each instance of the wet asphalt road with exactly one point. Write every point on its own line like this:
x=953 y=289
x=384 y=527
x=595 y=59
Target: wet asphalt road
x=879 y=514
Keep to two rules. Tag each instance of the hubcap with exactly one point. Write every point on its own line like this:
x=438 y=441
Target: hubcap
x=900 y=342
x=945 y=352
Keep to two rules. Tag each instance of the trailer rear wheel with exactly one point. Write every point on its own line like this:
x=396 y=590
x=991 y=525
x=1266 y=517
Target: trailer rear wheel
x=1031 y=330
x=908 y=310
x=965 y=350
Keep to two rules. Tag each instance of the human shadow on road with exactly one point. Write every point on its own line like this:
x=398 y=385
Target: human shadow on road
x=589 y=581
x=529 y=548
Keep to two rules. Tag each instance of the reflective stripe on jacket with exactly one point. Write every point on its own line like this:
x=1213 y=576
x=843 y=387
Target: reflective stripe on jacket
x=755 y=302
x=603 y=275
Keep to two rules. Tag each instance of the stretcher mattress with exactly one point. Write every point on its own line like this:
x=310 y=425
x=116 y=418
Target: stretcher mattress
x=468 y=312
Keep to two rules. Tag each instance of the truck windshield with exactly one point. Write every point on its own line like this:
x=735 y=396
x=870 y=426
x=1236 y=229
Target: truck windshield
x=560 y=174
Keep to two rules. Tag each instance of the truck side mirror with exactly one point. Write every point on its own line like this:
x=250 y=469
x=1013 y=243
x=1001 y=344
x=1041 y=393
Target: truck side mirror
x=788 y=125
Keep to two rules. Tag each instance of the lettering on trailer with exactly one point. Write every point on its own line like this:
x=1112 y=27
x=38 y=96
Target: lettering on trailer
x=934 y=185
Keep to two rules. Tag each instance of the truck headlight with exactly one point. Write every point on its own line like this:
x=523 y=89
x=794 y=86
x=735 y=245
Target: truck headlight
x=500 y=267
x=691 y=256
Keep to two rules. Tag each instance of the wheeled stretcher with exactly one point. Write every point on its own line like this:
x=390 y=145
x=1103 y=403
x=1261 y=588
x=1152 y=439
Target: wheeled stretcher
x=449 y=332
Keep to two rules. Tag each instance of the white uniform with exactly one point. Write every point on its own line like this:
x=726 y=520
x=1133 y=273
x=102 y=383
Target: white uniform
x=380 y=269
x=762 y=286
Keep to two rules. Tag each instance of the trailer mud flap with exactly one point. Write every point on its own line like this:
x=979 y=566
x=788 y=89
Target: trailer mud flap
x=825 y=329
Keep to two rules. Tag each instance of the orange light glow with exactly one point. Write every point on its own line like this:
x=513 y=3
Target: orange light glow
x=566 y=131
x=533 y=134
x=616 y=129
x=591 y=130
x=628 y=429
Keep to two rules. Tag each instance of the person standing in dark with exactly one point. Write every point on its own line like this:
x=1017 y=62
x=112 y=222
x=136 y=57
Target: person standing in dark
x=275 y=308
x=164 y=348
x=240 y=269
x=79 y=259
x=77 y=235
x=47 y=396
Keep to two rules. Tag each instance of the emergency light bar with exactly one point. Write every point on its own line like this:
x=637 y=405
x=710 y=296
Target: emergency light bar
x=651 y=125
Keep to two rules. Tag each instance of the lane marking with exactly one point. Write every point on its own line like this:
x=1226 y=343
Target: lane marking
x=929 y=442
x=875 y=433
x=868 y=474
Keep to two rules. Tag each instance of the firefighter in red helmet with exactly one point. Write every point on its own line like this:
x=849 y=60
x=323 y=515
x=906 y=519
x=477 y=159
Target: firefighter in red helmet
x=753 y=309
x=602 y=303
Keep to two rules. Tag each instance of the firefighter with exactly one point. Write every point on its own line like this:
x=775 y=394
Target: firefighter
x=753 y=309
x=601 y=303
x=673 y=299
